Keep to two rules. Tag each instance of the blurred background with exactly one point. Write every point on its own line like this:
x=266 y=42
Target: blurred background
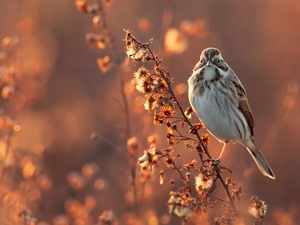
x=67 y=155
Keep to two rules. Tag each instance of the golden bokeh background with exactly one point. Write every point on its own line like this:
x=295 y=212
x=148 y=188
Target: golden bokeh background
x=60 y=98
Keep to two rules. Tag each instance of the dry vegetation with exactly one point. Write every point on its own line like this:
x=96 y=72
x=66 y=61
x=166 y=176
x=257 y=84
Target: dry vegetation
x=143 y=162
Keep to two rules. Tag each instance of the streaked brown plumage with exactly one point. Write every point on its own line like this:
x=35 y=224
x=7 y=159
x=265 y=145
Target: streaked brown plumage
x=219 y=99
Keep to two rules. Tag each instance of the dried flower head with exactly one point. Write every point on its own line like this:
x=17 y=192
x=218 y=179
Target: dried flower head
x=150 y=104
x=108 y=216
x=44 y=182
x=104 y=64
x=132 y=146
x=90 y=202
x=203 y=182
x=229 y=182
x=100 y=184
x=188 y=112
x=181 y=205
x=89 y=170
x=81 y=5
x=158 y=118
x=142 y=73
x=153 y=139
x=97 y=21
x=61 y=220
x=135 y=51
x=93 y=9
x=258 y=208
x=92 y=38
x=161 y=177
x=76 y=180
x=143 y=80
x=101 y=44
x=29 y=170
x=237 y=193
x=7 y=92
x=107 y=2
x=205 y=139
x=148 y=160
x=189 y=145
x=7 y=42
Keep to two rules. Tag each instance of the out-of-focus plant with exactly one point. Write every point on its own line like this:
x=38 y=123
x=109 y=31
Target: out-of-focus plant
x=22 y=179
x=104 y=39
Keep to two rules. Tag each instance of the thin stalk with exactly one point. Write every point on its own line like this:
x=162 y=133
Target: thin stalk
x=126 y=113
x=120 y=75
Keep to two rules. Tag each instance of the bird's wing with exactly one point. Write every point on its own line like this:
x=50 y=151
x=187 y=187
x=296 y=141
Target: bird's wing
x=243 y=103
x=197 y=66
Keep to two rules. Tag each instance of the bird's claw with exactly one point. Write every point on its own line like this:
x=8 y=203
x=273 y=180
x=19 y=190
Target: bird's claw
x=214 y=162
x=217 y=163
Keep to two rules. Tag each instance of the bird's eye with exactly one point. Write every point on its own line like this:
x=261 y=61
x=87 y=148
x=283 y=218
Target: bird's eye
x=219 y=62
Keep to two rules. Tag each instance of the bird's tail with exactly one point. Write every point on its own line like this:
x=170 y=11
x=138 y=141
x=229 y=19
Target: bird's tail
x=260 y=160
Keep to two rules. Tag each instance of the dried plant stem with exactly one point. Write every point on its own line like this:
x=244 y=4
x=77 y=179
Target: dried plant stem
x=10 y=133
x=7 y=145
x=132 y=166
x=167 y=21
x=125 y=106
x=176 y=168
x=219 y=199
x=168 y=16
x=197 y=134
x=127 y=127
x=120 y=74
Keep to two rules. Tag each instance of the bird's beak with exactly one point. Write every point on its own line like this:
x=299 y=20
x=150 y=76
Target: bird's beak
x=209 y=63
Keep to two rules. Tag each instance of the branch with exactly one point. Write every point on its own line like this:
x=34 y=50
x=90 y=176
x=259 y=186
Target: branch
x=140 y=53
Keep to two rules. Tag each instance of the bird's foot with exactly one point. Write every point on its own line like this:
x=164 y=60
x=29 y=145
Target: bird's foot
x=214 y=162
x=194 y=128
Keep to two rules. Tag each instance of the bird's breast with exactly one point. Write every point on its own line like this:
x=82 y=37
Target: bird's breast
x=215 y=108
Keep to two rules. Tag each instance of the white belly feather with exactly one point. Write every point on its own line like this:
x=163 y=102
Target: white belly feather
x=215 y=110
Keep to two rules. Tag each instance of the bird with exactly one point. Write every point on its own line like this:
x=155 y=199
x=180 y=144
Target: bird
x=220 y=101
